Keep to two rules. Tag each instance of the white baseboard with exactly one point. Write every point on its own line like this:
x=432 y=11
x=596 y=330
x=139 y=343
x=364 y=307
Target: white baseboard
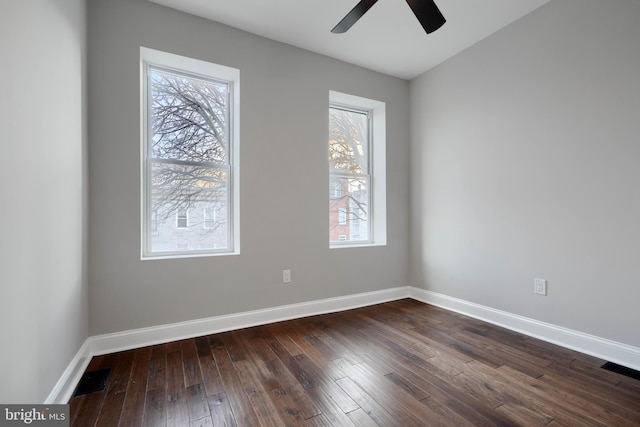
x=66 y=385
x=110 y=343
x=136 y=338
x=592 y=345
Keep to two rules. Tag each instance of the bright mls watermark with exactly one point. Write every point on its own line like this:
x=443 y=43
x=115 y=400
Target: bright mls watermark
x=37 y=415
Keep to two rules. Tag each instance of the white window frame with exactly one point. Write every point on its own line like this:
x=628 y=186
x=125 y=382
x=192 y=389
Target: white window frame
x=207 y=70
x=377 y=214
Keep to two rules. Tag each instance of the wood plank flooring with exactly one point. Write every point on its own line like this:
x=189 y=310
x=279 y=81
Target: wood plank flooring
x=402 y=363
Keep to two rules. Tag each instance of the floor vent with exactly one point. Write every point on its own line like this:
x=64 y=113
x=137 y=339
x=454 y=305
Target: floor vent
x=92 y=382
x=623 y=370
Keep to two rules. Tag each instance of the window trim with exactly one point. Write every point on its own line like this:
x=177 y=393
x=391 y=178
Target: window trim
x=377 y=215
x=198 y=69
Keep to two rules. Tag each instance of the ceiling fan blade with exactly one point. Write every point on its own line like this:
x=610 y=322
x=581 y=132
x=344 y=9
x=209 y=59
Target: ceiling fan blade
x=353 y=16
x=428 y=14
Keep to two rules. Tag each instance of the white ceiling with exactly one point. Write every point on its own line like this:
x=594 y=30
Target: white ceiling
x=388 y=38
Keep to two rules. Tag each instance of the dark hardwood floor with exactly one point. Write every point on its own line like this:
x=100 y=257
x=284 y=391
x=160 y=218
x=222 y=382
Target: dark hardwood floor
x=402 y=363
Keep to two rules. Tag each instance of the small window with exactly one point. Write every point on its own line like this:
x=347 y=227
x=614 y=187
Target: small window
x=182 y=219
x=335 y=190
x=209 y=218
x=342 y=216
x=189 y=141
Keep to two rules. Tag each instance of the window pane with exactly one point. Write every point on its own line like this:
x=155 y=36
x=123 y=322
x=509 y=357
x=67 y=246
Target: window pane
x=348 y=219
x=191 y=207
x=188 y=117
x=348 y=141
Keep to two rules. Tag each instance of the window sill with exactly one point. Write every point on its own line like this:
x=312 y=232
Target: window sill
x=355 y=245
x=182 y=255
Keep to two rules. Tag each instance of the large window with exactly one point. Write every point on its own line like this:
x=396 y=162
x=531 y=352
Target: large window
x=357 y=183
x=189 y=145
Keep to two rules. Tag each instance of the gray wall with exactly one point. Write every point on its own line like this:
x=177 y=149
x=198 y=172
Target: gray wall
x=43 y=302
x=525 y=153
x=283 y=178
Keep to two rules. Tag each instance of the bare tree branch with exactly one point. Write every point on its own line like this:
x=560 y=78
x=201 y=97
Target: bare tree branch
x=188 y=123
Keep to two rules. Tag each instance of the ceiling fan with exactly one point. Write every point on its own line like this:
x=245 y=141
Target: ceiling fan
x=426 y=11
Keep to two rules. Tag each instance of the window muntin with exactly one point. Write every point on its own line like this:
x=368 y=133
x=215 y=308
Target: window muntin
x=188 y=156
x=350 y=174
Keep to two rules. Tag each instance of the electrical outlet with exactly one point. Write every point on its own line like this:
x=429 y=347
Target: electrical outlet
x=540 y=286
x=286 y=276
